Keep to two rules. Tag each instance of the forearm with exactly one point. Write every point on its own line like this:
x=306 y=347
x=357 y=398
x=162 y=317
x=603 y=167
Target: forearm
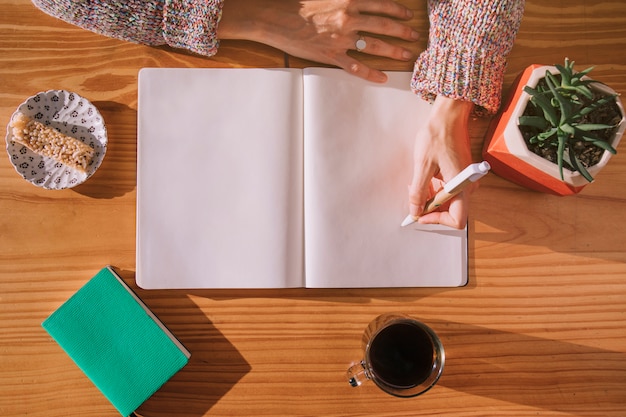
x=466 y=55
x=191 y=25
x=316 y=30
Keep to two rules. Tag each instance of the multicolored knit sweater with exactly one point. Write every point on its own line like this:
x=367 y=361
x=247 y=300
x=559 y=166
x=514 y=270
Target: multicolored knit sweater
x=467 y=48
x=465 y=59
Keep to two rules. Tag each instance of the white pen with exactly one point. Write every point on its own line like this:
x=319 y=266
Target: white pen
x=471 y=174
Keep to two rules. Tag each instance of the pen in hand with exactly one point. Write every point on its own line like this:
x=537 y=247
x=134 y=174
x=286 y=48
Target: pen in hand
x=469 y=175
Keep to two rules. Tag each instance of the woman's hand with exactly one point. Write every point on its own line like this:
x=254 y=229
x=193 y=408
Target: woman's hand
x=322 y=30
x=442 y=150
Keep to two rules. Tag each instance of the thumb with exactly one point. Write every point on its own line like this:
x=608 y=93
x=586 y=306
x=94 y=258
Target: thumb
x=416 y=202
x=420 y=191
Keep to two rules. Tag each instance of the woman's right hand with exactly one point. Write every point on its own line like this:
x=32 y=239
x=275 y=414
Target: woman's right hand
x=322 y=30
x=442 y=150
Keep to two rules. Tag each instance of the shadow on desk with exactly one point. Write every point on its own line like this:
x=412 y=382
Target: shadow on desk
x=215 y=365
x=532 y=371
x=526 y=222
x=117 y=174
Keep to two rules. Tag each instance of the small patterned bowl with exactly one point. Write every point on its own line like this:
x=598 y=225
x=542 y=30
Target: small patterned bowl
x=71 y=115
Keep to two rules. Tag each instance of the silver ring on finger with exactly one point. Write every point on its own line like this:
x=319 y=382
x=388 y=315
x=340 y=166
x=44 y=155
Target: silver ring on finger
x=360 y=44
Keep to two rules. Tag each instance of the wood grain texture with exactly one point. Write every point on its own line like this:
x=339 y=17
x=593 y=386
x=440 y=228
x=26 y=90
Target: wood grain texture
x=540 y=329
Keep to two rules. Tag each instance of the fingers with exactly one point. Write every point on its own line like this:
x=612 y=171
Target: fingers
x=326 y=30
x=455 y=216
x=421 y=188
x=443 y=218
x=386 y=7
x=453 y=213
x=385 y=26
x=363 y=22
x=361 y=70
x=375 y=46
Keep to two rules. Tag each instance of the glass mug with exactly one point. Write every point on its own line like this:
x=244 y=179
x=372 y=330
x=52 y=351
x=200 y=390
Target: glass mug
x=403 y=356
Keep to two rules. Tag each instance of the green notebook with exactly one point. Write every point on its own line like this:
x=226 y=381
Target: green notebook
x=117 y=341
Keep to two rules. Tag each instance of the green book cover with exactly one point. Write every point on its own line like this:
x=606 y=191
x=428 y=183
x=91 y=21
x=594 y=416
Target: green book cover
x=116 y=341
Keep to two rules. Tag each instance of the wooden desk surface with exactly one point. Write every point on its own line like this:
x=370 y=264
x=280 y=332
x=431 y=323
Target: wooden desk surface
x=540 y=330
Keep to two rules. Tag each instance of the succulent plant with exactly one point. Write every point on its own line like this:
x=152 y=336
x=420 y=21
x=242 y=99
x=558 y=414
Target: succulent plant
x=563 y=116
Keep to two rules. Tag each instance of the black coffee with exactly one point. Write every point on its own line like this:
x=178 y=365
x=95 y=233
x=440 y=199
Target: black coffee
x=402 y=355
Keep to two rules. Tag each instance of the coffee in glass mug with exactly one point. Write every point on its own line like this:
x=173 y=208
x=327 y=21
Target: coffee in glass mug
x=403 y=356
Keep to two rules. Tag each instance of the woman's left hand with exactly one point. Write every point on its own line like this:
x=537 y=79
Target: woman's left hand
x=323 y=30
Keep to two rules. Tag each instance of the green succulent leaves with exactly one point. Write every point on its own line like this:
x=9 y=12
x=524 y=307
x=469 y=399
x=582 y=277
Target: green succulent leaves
x=563 y=104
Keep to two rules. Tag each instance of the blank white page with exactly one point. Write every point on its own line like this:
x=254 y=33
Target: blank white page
x=219 y=178
x=358 y=162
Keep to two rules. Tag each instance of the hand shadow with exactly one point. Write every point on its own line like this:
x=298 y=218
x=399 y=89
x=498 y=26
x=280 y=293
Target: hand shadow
x=529 y=370
x=215 y=365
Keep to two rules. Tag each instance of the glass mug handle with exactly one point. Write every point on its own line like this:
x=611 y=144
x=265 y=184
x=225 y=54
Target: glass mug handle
x=357 y=374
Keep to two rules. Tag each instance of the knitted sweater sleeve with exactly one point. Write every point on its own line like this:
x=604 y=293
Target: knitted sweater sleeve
x=188 y=24
x=467 y=47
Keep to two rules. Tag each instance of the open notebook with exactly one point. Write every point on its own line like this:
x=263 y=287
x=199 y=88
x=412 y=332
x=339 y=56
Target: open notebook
x=276 y=178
